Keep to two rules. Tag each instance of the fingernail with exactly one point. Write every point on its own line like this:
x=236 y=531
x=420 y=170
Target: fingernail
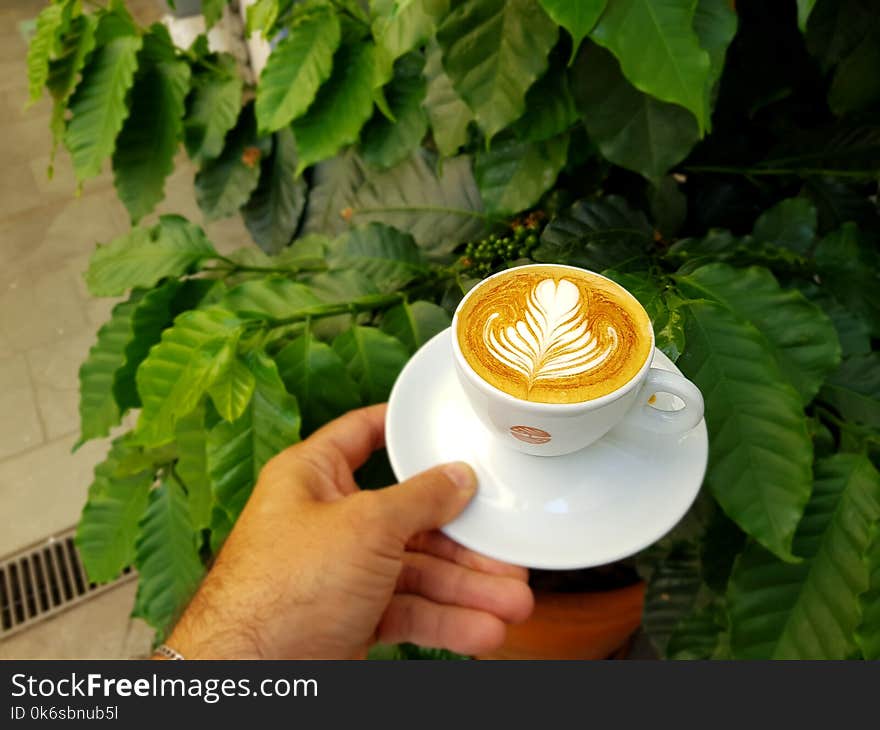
x=462 y=476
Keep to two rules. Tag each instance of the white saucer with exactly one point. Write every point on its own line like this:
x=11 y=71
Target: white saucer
x=589 y=508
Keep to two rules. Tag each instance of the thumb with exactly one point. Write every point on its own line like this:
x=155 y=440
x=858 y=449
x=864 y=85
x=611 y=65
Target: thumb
x=430 y=499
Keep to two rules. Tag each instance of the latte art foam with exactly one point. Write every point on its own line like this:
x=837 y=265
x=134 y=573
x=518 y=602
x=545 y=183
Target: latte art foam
x=554 y=335
x=554 y=338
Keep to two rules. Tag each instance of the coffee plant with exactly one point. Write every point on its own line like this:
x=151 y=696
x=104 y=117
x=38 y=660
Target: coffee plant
x=719 y=160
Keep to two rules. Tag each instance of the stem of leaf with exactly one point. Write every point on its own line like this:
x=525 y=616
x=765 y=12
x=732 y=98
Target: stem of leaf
x=193 y=58
x=234 y=267
x=862 y=433
x=429 y=209
x=355 y=306
x=798 y=171
x=172 y=472
x=345 y=11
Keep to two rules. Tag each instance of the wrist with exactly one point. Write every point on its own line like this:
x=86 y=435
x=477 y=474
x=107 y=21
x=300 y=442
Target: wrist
x=192 y=640
x=214 y=628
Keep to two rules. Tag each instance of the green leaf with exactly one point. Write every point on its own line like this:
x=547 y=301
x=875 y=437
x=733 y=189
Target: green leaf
x=550 y=108
x=224 y=184
x=177 y=372
x=220 y=527
x=849 y=266
x=334 y=185
x=270 y=297
x=64 y=72
x=385 y=143
x=810 y=610
x=237 y=451
x=98 y=410
x=597 y=234
x=790 y=224
x=647 y=289
x=513 y=175
x=143 y=256
x=372 y=359
x=854 y=389
x=798 y=334
x=342 y=285
x=99 y=103
x=389 y=258
x=105 y=536
x=440 y=210
x=699 y=636
x=804 y=8
x=760 y=451
x=212 y=108
x=342 y=106
x=191 y=436
x=213 y=11
x=296 y=69
x=399 y=26
x=167 y=558
x=49 y=23
x=670 y=337
x=666 y=319
x=578 y=17
x=146 y=146
x=715 y=24
x=272 y=214
x=232 y=390
x=868 y=634
x=658 y=50
x=154 y=312
x=308 y=251
x=414 y=323
x=315 y=374
x=631 y=129
x=668 y=206
x=855 y=87
x=333 y=287
x=493 y=50
x=261 y=16
x=837 y=28
x=852 y=330
x=671 y=593
x=720 y=245
x=447 y=112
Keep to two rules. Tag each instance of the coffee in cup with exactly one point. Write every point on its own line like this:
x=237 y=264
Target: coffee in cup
x=552 y=357
x=552 y=334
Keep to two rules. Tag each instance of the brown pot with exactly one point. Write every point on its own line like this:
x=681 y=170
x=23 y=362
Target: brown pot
x=590 y=625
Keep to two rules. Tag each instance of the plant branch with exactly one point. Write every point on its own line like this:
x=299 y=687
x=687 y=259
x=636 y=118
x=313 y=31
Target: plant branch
x=798 y=171
x=235 y=267
x=429 y=209
x=368 y=303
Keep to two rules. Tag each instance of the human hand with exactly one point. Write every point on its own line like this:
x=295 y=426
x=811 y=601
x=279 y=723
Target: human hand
x=316 y=568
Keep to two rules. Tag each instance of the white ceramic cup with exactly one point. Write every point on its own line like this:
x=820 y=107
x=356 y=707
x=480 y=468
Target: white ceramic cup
x=553 y=429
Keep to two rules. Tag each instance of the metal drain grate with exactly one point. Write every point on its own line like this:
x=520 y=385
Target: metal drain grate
x=43 y=580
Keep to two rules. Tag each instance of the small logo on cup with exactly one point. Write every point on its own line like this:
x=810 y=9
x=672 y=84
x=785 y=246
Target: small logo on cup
x=530 y=435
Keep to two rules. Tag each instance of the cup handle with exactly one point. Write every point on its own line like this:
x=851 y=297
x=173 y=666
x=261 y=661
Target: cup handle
x=662 y=381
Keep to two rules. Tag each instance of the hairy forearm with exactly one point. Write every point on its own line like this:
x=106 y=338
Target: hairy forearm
x=216 y=624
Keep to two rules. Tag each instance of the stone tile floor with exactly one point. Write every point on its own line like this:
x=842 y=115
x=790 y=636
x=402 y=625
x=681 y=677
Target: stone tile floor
x=47 y=324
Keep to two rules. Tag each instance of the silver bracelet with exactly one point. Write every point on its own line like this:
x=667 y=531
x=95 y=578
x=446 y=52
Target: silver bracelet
x=169 y=653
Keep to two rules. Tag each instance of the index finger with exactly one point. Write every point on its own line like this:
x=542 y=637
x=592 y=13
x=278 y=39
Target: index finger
x=353 y=436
